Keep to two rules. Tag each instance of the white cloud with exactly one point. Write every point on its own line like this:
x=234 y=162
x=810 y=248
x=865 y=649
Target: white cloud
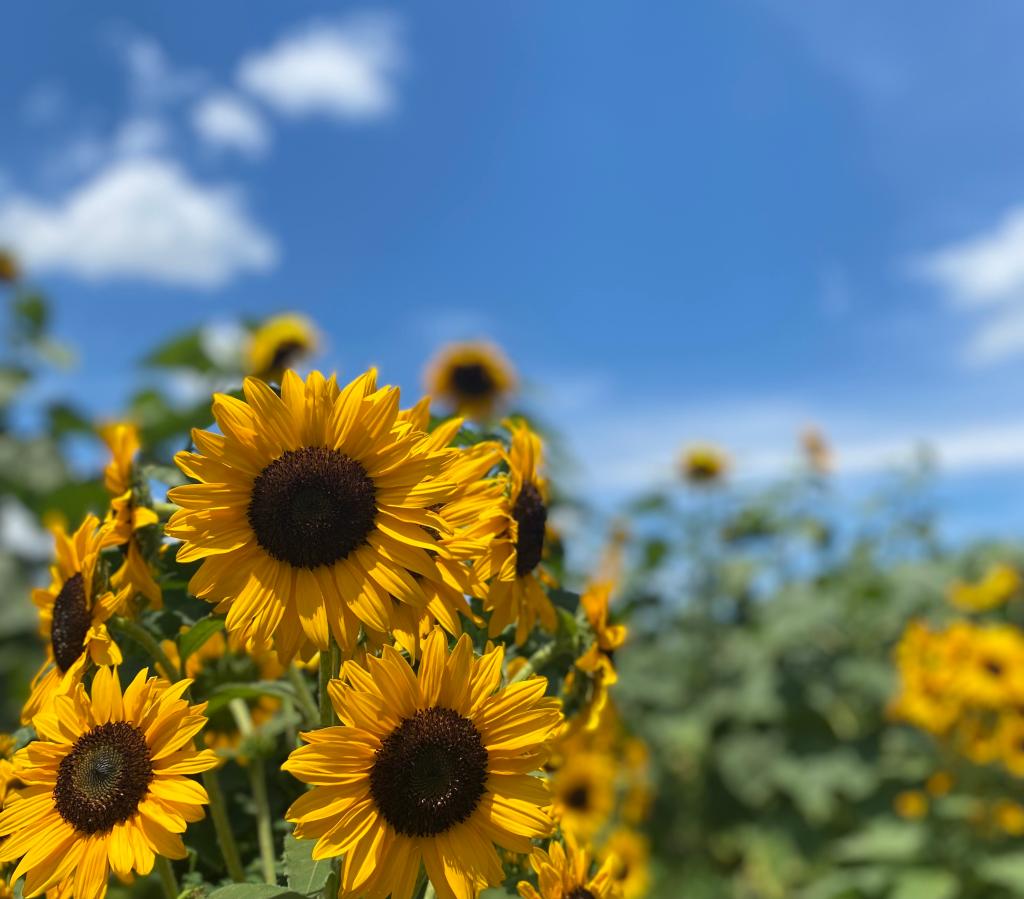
x=985 y=269
x=226 y=120
x=143 y=219
x=154 y=81
x=344 y=71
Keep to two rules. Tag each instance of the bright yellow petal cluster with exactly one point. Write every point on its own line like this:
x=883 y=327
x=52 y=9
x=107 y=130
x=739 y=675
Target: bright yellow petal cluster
x=1000 y=584
x=565 y=872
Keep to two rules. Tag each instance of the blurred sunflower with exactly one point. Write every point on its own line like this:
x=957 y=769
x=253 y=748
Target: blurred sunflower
x=1010 y=737
x=105 y=785
x=816 y=451
x=127 y=514
x=704 y=464
x=434 y=767
x=598 y=660
x=994 y=673
x=631 y=865
x=584 y=793
x=280 y=343
x=1000 y=584
x=217 y=662
x=312 y=509
x=72 y=614
x=10 y=271
x=7 y=778
x=514 y=562
x=565 y=873
x=474 y=378
x=1008 y=816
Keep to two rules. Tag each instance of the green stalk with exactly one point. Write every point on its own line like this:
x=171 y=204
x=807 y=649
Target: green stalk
x=222 y=825
x=258 y=782
x=135 y=632
x=168 y=881
x=310 y=709
x=537 y=661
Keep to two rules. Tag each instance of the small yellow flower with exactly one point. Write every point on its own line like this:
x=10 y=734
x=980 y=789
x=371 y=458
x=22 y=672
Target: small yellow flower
x=1000 y=584
x=280 y=343
x=704 y=464
x=631 y=854
x=939 y=784
x=911 y=804
x=473 y=378
x=1009 y=817
x=584 y=793
x=565 y=873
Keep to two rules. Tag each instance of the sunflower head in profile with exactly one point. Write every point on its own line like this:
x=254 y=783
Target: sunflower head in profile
x=584 y=793
x=599 y=660
x=280 y=343
x=221 y=661
x=127 y=514
x=72 y=614
x=7 y=778
x=312 y=508
x=515 y=562
x=816 y=450
x=704 y=464
x=630 y=852
x=10 y=271
x=433 y=767
x=106 y=785
x=566 y=872
x=474 y=378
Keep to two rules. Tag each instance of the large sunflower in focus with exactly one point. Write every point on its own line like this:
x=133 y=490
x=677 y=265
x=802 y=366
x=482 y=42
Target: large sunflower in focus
x=433 y=767
x=474 y=378
x=565 y=873
x=105 y=785
x=72 y=614
x=312 y=509
x=127 y=515
x=514 y=563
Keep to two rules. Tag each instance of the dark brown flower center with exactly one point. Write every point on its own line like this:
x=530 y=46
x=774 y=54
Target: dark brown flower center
x=580 y=893
x=578 y=798
x=473 y=379
x=71 y=620
x=312 y=507
x=531 y=515
x=429 y=773
x=285 y=353
x=104 y=778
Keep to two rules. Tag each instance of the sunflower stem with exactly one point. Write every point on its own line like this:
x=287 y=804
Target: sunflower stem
x=222 y=825
x=165 y=510
x=329 y=662
x=168 y=881
x=537 y=661
x=258 y=782
x=304 y=696
x=148 y=642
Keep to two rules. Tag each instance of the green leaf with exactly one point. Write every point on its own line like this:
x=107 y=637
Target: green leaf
x=197 y=635
x=254 y=891
x=65 y=419
x=304 y=875
x=925 y=883
x=183 y=351
x=884 y=840
x=31 y=315
x=223 y=694
x=1003 y=870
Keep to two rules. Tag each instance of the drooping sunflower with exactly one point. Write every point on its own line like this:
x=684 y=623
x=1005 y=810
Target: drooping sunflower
x=565 y=873
x=72 y=614
x=312 y=509
x=278 y=344
x=631 y=865
x=1000 y=584
x=816 y=451
x=584 y=793
x=127 y=514
x=433 y=767
x=514 y=563
x=473 y=377
x=598 y=660
x=222 y=661
x=704 y=464
x=105 y=785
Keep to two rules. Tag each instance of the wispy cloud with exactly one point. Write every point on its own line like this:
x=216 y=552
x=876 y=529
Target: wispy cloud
x=344 y=71
x=141 y=219
x=225 y=120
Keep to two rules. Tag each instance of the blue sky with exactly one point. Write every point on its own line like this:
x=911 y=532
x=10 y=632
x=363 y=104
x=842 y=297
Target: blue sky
x=716 y=220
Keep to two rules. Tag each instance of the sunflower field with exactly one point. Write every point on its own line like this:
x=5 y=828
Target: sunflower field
x=311 y=637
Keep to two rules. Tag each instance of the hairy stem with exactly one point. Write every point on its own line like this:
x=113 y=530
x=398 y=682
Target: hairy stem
x=258 y=782
x=168 y=882
x=310 y=710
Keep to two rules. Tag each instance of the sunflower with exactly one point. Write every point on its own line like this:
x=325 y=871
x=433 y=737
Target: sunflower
x=473 y=377
x=105 y=785
x=631 y=855
x=72 y=614
x=1008 y=816
x=704 y=464
x=10 y=271
x=127 y=514
x=565 y=873
x=910 y=804
x=1010 y=738
x=514 y=562
x=816 y=451
x=278 y=343
x=221 y=661
x=1000 y=584
x=311 y=510
x=433 y=767
x=598 y=660
x=7 y=778
x=994 y=672
x=584 y=793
